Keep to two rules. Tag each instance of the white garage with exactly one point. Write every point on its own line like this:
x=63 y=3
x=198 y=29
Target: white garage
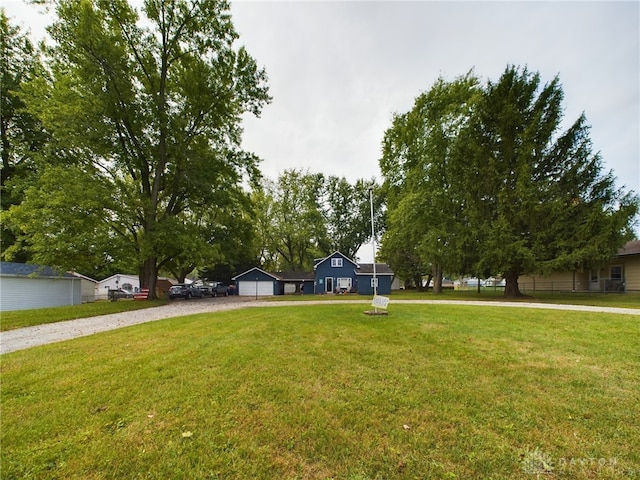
x=24 y=286
x=255 y=282
x=248 y=288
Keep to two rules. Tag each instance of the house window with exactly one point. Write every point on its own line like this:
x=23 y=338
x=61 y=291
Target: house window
x=616 y=272
x=344 y=283
x=374 y=282
x=336 y=262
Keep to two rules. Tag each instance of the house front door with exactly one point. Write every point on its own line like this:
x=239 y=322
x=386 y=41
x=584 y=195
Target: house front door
x=328 y=282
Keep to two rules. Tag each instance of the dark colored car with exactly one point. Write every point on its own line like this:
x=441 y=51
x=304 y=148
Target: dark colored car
x=184 y=291
x=220 y=290
x=206 y=290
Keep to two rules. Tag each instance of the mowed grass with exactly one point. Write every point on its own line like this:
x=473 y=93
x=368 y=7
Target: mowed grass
x=40 y=316
x=325 y=392
x=619 y=300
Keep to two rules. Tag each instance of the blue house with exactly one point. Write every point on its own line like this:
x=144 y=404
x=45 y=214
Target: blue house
x=384 y=278
x=333 y=274
x=339 y=274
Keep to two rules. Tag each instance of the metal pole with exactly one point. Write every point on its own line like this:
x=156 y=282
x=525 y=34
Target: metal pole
x=373 y=242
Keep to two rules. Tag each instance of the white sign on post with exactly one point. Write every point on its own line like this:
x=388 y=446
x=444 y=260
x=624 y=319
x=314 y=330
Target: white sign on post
x=380 y=302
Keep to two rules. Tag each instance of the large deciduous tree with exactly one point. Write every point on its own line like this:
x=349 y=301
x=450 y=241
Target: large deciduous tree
x=20 y=132
x=347 y=213
x=292 y=228
x=303 y=216
x=148 y=105
x=422 y=166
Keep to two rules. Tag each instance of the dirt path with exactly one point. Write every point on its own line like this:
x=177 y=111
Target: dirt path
x=23 y=338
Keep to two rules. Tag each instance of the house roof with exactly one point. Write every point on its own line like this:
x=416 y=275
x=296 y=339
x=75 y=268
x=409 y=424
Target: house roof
x=251 y=270
x=84 y=277
x=119 y=275
x=333 y=255
x=630 y=248
x=14 y=269
x=295 y=276
x=285 y=276
x=381 y=269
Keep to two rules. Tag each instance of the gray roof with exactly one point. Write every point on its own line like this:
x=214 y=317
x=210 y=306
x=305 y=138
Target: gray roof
x=381 y=269
x=30 y=270
x=294 y=276
x=282 y=276
x=630 y=248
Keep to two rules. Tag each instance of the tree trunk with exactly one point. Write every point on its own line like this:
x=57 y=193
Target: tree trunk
x=149 y=276
x=511 y=288
x=437 y=279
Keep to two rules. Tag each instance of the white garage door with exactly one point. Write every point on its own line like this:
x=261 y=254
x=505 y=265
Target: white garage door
x=248 y=289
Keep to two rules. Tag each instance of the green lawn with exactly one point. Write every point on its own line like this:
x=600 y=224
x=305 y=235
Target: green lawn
x=39 y=316
x=621 y=300
x=325 y=392
x=27 y=318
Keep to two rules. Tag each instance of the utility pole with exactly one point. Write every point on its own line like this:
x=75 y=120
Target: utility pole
x=373 y=243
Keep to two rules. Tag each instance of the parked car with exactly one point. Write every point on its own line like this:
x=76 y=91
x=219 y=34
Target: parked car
x=184 y=291
x=196 y=292
x=206 y=290
x=120 y=293
x=219 y=290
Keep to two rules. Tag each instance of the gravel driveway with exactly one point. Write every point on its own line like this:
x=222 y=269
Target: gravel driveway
x=20 y=339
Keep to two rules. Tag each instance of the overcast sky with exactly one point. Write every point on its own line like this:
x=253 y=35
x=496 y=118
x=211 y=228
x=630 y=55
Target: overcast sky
x=339 y=70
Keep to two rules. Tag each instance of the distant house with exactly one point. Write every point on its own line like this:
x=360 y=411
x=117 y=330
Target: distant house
x=119 y=281
x=26 y=286
x=621 y=274
x=333 y=274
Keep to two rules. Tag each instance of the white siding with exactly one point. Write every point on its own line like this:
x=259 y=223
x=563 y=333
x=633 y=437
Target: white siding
x=22 y=293
x=248 y=288
x=114 y=282
x=88 y=290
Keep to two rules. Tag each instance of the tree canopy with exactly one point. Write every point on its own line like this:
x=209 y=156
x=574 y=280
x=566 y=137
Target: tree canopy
x=21 y=134
x=422 y=167
x=482 y=180
x=144 y=108
x=302 y=216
